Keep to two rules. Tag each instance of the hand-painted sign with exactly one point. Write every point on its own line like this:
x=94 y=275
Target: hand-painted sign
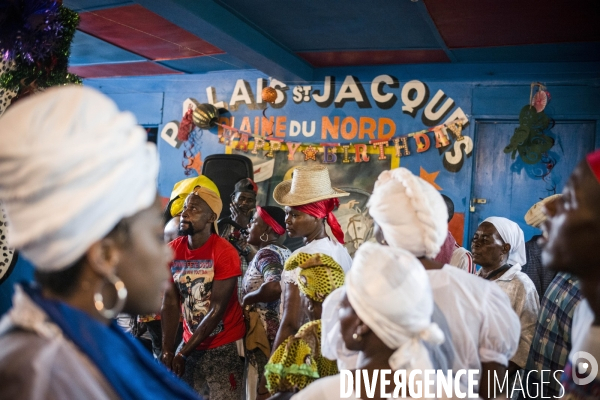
x=355 y=122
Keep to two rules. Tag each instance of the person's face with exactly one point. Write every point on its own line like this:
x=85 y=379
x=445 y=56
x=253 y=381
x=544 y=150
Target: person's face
x=299 y=224
x=256 y=228
x=488 y=248
x=196 y=216
x=349 y=323
x=571 y=233
x=311 y=308
x=171 y=231
x=143 y=263
x=245 y=201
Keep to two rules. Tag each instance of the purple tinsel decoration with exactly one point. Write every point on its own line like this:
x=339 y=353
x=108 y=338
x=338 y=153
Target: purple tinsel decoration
x=29 y=29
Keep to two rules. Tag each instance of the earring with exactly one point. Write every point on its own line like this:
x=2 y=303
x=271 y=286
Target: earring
x=356 y=337
x=310 y=307
x=264 y=240
x=383 y=242
x=110 y=313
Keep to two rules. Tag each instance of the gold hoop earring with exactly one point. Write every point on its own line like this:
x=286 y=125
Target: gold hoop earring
x=261 y=237
x=119 y=286
x=356 y=337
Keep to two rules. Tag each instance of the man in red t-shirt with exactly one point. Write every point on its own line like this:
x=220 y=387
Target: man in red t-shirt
x=204 y=270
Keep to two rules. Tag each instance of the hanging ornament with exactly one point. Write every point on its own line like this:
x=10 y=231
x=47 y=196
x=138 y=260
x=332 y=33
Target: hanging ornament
x=540 y=100
x=310 y=153
x=456 y=128
x=269 y=95
x=205 y=116
x=186 y=126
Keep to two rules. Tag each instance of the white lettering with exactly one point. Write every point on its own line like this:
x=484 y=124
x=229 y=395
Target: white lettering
x=427 y=383
x=400 y=384
x=457 y=392
x=444 y=382
x=346 y=384
x=295 y=128
x=370 y=384
x=349 y=91
x=411 y=105
x=383 y=383
x=412 y=383
x=381 y=98
x=472 y=382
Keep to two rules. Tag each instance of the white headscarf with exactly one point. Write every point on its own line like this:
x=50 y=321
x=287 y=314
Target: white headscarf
x=393 y=298
x=411 y=213
x=512 y=234
x=71 y=167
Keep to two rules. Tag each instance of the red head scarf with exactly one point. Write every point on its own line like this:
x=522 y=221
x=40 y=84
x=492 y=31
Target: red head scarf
x=324 y=209
x=269 y=220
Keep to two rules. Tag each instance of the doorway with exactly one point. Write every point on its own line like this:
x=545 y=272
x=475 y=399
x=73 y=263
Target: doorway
x=507 y=188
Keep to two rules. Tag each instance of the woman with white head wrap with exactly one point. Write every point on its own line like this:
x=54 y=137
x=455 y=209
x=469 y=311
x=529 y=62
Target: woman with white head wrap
x=385 y=316
x=498 y=247
x=410 y=213
x=78 y=181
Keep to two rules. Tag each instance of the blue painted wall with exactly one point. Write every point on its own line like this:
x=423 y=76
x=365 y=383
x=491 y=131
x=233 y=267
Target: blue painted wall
x=482 y=91
x=485 y=92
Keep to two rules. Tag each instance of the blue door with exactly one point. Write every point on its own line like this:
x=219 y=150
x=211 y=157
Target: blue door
x=507 y=188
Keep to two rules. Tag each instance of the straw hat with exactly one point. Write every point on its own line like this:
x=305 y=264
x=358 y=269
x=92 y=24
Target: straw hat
x=535 y=216
x=308 y=185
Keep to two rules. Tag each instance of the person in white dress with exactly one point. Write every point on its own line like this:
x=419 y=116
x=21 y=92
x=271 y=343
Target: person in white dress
x=410 y=213
x=384 y=315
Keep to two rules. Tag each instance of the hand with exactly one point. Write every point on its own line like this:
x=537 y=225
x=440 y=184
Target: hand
x=178 y=364
x=238 y=215
x=167 y=358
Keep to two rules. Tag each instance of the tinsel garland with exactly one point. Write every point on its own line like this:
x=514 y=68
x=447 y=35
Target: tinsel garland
x=51 y=70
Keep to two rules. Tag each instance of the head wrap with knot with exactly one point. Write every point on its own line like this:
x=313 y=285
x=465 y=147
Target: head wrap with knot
x=319 y=274
x=410 y=212
x=393 y=298
x=324 y=209
x=68 y=160
x=274 y=217
x=183 y=188
x=512 y=234
x=213 y=200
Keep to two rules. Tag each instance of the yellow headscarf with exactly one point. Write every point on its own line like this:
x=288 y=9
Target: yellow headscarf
x=319 y=274
x=183 y=188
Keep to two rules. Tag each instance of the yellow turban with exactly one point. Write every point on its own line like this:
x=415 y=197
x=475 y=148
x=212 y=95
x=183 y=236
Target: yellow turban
x=183 y=188
x=319 y=274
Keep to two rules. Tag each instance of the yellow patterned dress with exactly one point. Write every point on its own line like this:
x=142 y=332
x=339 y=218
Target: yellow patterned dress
x=298 y=361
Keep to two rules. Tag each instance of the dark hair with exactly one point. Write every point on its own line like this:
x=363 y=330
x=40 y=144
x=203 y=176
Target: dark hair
x=277 y=214
x=449 y=206
x=64 y=282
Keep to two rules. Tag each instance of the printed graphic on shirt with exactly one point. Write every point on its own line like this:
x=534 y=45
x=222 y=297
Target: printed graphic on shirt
x=194 y=278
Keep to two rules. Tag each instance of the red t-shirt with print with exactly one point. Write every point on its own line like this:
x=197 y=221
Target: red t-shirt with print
x=193 y=272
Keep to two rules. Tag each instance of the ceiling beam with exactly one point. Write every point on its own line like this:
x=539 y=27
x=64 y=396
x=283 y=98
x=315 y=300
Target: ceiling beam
x=221 y=27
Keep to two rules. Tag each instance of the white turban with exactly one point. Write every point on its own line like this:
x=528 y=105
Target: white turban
x=393 y=298
x=71 y=167
x=512 y=234
x=411 y=213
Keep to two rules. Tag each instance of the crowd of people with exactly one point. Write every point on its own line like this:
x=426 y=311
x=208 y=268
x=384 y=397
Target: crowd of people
x=231 y=313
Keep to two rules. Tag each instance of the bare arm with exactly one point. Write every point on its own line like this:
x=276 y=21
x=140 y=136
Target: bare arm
x=267 y=292
x=169 y=320
x=291 y=320
x=486 y=379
